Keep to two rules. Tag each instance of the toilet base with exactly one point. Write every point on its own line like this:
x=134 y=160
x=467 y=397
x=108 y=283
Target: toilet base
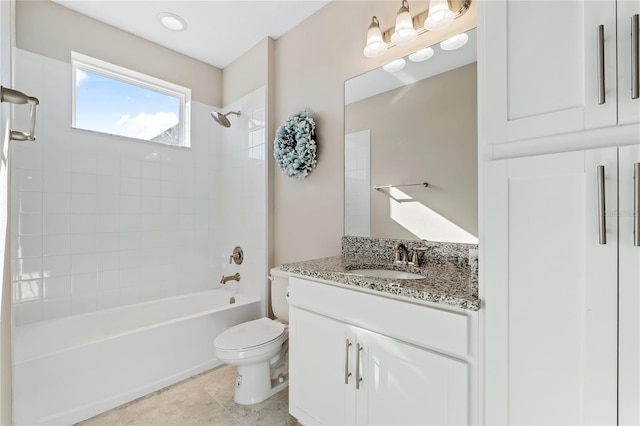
x=254 y=384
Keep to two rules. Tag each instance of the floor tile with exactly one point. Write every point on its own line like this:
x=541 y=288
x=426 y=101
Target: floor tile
x=206 y=399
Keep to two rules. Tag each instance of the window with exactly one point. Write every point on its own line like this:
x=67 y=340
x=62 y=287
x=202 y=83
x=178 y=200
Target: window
x=118 y=101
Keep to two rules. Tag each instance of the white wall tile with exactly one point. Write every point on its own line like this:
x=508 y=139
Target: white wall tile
x=56 y=181
x=84 y=263
x=58 y=265
x=109 y=221
x=56 y=224
x=56 y=203
x=27 y=202
x=84 y=284
x=57 y=287
x=27 y=246
x=56 y=308
x=56 y=244
x=27 y=180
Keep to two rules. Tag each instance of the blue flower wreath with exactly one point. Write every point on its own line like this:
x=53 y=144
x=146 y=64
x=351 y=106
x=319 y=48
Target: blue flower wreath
x=295 y=146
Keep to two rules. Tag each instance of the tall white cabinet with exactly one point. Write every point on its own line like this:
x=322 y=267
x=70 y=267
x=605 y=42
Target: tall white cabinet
x=561 y=289
x=560 y=67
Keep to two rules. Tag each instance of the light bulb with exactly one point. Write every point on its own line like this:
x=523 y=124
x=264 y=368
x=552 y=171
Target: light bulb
x=404 y=32
x=394 y=66
x=440 y=16
x=375 y=44
x=455 y=42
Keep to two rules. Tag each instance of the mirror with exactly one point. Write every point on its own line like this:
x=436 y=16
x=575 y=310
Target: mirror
x=407 y=128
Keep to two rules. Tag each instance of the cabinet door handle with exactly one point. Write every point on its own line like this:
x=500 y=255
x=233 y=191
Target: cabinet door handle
x=346 y=364
x=601 y=86
x=358 y=377
x=635 y=64
x=636 y=204
x=602 y=217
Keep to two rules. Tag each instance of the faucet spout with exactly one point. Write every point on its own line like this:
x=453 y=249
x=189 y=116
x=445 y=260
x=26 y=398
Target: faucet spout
x=234 y=277
x=402 y=254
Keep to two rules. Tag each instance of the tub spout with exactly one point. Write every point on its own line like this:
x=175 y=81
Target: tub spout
x=235 y=277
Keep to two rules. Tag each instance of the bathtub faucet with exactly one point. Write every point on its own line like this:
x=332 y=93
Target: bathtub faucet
x=235 y=277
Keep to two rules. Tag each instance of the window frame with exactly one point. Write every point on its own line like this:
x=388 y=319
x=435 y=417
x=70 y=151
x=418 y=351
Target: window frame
x=125 y=75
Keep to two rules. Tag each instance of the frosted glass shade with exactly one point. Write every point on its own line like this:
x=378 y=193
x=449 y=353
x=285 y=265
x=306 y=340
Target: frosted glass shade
x=375 y=43
x=404 y=32
x=440 y=16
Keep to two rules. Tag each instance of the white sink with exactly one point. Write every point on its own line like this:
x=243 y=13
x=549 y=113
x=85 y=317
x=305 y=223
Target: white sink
x=386 y=273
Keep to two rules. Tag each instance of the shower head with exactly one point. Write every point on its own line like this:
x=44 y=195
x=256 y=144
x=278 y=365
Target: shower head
x=222 y=118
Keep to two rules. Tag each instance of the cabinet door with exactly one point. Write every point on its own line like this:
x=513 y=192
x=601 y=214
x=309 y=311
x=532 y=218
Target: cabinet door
x=629 y=344
x=318 y=355
x=541 y=67
x=405 y=385
x=550 y=290
x=628 y=107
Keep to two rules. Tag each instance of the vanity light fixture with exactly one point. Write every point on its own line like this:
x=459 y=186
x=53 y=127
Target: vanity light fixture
x=455 y=42
x=171 y=21
x=440 y=16
x=394 y=66
x=404 y=32
x=421 y=55
x=408 y=28
x=375 y=43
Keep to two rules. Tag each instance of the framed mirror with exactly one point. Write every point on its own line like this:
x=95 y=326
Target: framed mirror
x=408 y=128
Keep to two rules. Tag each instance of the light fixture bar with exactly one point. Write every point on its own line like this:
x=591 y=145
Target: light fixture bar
x=418 y=22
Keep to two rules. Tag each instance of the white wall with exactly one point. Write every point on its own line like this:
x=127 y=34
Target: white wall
x=102 y=221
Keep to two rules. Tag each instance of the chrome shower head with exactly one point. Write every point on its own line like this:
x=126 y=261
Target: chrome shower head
x=222 y=118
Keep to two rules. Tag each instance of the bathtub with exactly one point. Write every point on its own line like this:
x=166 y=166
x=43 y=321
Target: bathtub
x=70 y=369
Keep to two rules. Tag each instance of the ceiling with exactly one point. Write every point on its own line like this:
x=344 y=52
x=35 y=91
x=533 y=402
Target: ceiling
x=218 y=31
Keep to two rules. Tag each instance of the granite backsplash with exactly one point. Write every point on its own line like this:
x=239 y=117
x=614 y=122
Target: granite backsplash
x=436 y=253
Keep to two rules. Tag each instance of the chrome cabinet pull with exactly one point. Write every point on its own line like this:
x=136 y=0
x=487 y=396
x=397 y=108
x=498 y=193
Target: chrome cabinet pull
x=346 y=364
x=602 y=218
x=636 y=204
x=601 y=86
x=635 y=64
x=358 y=377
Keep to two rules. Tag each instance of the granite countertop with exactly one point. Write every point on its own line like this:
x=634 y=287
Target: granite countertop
x=444 y=284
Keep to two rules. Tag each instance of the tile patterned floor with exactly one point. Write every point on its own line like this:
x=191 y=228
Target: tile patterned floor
x=206 y=399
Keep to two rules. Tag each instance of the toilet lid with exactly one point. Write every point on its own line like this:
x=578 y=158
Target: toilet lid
x=249 y=334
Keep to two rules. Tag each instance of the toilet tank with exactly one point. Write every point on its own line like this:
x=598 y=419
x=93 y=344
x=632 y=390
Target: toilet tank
x=279 y=302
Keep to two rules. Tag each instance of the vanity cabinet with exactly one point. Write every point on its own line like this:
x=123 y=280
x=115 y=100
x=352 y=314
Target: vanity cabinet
x=561 y=278
x=353 y=359
x=559 y=68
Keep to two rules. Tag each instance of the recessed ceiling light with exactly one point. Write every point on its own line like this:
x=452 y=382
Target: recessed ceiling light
x=421 y=55
x=394 y=66
x=455 y=42
x=172 y=22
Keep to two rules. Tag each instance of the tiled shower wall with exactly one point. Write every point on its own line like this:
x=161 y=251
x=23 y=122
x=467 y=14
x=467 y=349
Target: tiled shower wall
x=101 y=221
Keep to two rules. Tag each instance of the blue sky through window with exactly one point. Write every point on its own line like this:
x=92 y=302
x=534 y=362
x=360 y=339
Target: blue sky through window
x=114 y=107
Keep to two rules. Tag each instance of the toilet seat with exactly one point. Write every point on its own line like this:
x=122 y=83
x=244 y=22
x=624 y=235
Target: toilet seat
x=248 y=335
x=252 y=340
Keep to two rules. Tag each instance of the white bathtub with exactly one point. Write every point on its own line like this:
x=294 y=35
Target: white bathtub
x=71 y=369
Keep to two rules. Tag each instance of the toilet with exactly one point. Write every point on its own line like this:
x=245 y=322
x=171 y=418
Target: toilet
x=259 y=348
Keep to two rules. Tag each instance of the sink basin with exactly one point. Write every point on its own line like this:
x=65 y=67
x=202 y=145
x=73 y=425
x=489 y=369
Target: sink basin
x=386 y=273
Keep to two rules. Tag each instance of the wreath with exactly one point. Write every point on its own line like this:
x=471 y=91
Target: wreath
x=295 y=146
